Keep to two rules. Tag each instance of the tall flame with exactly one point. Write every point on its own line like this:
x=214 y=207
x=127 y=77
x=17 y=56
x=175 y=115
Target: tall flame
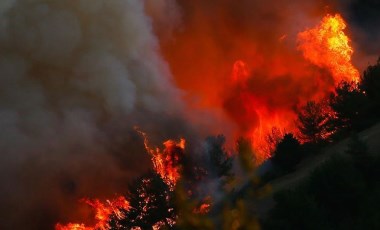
x=327 y=46
x=103 y=212
x=166 y=162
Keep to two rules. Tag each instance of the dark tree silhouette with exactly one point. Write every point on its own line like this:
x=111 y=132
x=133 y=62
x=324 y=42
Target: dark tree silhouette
x=337 y=195
x=151 y=202
x=288 y=153
x=370 y=85
x=220 y=162
x=349 y=106
x=313 y=123
x=246 y=154
x=272 y=140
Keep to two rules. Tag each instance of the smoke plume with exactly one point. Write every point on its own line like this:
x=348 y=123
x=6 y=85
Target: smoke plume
x=76 y=77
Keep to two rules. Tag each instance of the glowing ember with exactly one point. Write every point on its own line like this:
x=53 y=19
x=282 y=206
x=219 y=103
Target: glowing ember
x=166 y=162
x=203 y=208
x=71 y=226
x=103 y=212
x=327 y=46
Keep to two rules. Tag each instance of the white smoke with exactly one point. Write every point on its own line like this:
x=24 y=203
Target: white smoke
x=75 y=77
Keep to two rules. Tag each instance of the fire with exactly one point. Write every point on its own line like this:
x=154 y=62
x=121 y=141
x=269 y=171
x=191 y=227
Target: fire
x=327 y=46
x=203 y=208
x=103 y=212
x=259 y=108
x=71 y=226
x=240 y=71
x=166 y=162
x=256 y=118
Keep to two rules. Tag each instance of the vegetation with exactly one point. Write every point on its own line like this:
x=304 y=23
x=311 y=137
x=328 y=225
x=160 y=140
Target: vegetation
x=312 y=123
x=151 y=202
x=337 y=195
x=220 y=162
x=340 y=194
x=288 y=153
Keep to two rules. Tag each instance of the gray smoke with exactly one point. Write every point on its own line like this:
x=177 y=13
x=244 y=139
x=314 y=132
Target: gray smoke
x=76 y=77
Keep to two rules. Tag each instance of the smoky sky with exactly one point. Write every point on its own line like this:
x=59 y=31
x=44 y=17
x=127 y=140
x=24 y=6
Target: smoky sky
x=76 y=77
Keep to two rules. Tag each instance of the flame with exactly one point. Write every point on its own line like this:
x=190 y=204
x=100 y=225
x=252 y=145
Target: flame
x=203 y=209
x=327 y=46
x=166 y=162
x=103 y=212
x=71 y=226
x=240 y=72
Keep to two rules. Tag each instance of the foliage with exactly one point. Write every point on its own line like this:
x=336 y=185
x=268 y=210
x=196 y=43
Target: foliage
x=220 y=161
x=312 y=122
x=151 y=202
x=246 y=154
x=370 y=85
x=349 y=105
x=288 y=153
x=272 y=139
x=337 y=195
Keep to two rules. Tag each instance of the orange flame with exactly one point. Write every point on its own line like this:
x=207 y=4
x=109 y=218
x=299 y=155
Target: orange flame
x=166 y=162
x=203 y=209
x=327 y=46
x=103 y=212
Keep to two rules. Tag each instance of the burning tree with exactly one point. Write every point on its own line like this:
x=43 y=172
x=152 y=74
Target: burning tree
x=313 y=123
x=167 y=162
x=103 y=213
x=151 y=201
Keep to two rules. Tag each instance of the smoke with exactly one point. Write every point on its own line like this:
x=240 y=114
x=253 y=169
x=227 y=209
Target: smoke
x=364 y=19
x=76 y=76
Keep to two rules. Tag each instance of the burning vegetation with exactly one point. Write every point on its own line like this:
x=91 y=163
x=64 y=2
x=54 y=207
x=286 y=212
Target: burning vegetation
x=327 y=46
x=103 y=213
x=166 y=162
x=271 y=127
x=277 y=79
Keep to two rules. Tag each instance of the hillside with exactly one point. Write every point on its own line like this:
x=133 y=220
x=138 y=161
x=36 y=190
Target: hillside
x=370 y=136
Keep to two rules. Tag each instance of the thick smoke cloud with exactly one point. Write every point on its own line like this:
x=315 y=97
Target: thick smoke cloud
x=76 y=76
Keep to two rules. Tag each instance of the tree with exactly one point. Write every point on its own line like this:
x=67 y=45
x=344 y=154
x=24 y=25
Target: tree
x=288 y=153
x=370 y=86
x=313 y=123
x=349 y=107
x=220 y=162
x=246 y=154
x=334 y=196
x=151 y=204
x=272 y=139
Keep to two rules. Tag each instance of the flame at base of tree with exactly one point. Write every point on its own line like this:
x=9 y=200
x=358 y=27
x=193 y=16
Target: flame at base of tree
x=103 y=213
x=166 y=162
x=327 y=46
